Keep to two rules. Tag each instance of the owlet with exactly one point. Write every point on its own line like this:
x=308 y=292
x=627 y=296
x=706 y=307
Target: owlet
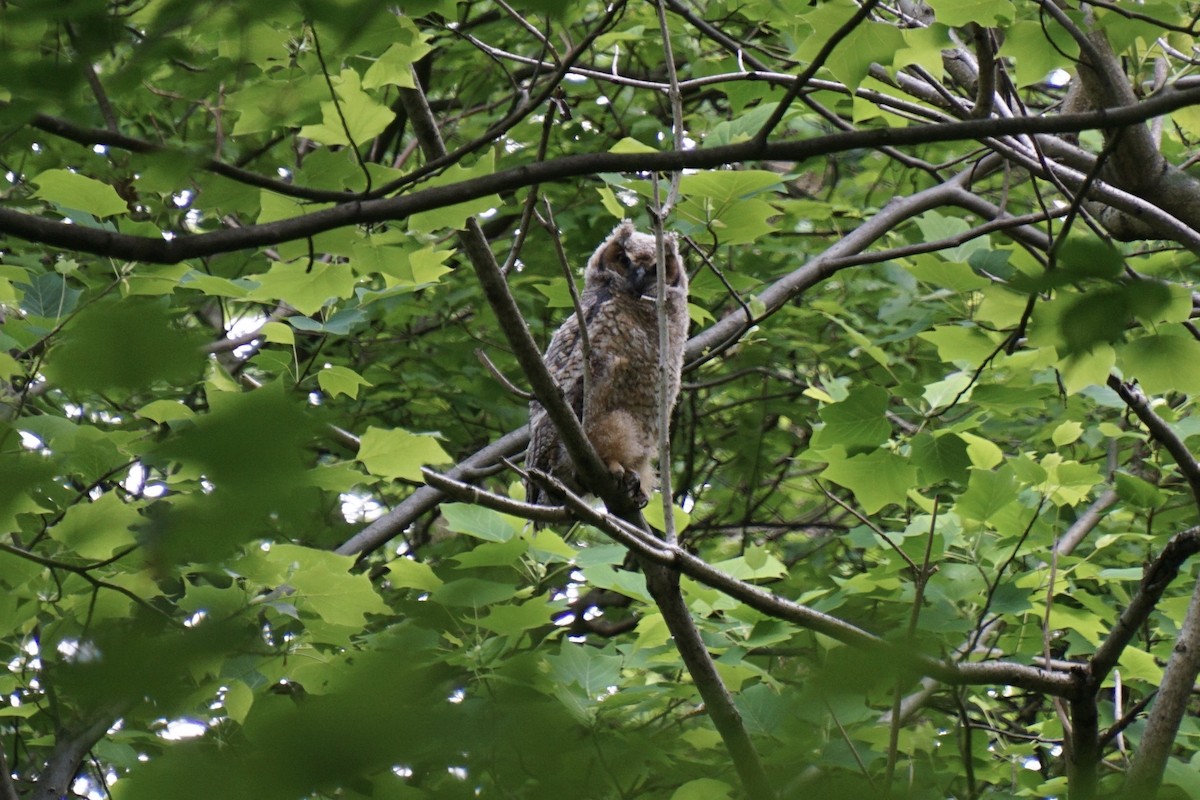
x=620 y=411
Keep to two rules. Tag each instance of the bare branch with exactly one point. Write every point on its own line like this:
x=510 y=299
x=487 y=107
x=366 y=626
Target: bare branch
x=355 y=212
x=393 y=523
x=1174 y=695
x=1158 y=576
x=69 y=751
x=1161 y=431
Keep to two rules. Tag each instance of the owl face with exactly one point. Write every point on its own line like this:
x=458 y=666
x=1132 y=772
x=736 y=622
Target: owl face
x=627 y=262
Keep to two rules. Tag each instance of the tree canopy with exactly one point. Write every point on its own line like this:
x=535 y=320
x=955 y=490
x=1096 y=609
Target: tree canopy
x=274 y=282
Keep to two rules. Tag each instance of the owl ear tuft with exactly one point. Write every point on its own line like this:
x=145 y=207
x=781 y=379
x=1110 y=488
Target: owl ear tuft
x=613 y=254
x=623 y=231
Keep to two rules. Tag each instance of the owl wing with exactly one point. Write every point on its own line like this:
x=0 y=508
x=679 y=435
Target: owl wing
x=564 y=360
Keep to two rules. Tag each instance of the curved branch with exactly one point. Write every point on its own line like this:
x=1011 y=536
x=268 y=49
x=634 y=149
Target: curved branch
x=1166 y=714
x=1158 y=576
x=1060 y=683
x=1160 y=430
x=355 y=212
x=69 y=752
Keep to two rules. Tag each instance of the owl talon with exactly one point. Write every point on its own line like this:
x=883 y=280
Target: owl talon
x=631 y=483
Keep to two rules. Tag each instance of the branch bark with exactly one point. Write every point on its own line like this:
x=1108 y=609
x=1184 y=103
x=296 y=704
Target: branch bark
x=355 y=212
x=1179 y=678
x=69 y=751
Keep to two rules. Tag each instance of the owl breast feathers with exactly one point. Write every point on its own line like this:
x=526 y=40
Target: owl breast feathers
x=620 y=409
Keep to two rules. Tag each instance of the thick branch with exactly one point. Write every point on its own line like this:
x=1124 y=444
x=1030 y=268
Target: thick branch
x=69 y=752
x=1158 y=576
x=182 y=247
x=1166 y=714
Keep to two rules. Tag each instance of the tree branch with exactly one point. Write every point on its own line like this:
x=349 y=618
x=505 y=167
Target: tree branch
x=1158 y=576
x=69 y=752
x=1162 y=724
x=1057 y=682
x=1161 y=431
x=354 y=212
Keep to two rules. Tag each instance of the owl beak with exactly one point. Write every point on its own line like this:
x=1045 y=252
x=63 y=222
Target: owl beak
x=639 y=279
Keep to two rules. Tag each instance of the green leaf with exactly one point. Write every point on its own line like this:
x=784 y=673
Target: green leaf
x=960 y=344
x=263 y=106
x=395 y=65
x=756 y=564
x=1138 y=665
x=606 y=576
x=870 y=42
x=354 y=119
x=1069 y=482
x=878 y=478
x=1038 y=49
x=162 y=411
x=1183 y=776
x=237 y=701
x=70 y=190
x=325 y=586
x=123 y=346
x=397 y=453
x=279 y=333
x=1090 y=368
x=610 y=202
x=589 y=668
x=509 y=620
x=1088 y=257
x=653 y=512
x=494 y=554
x=98 y=529
x=941 y=458
x=251 y=446
x=1136 y=491
x=629 y=145
x=335 y=380
x=477 y=521
x=1066 y=433
x=472 y=593
x=724 y=186
x=703 y=789
x=1162 y=363
x=306 y=287
x=987 y=13
x=1095 y=318
x=987 y=493
x=856 y=423
x=407 y=573
x=48 y=295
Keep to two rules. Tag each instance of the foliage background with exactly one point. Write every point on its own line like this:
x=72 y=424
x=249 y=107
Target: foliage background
x=933 y=461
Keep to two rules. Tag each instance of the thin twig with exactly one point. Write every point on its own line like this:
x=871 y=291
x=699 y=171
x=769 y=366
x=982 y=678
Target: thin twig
x=500 y=377
x=337 y=106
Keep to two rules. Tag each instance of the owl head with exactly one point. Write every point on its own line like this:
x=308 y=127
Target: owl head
x=627 y=262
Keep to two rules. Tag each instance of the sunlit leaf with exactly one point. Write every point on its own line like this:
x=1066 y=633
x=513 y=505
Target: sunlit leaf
x=71 y=190
x=397 y=453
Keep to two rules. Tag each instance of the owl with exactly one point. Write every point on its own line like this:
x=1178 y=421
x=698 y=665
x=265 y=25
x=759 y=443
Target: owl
x=620 y=411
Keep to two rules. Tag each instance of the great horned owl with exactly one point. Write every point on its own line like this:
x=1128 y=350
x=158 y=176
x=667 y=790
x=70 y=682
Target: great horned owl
x=620 y=413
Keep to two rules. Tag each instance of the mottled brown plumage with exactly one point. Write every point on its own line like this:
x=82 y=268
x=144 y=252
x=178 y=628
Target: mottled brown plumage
x=620 y=416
